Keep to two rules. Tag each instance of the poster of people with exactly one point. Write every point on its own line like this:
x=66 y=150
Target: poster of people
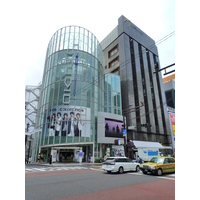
x=113 y=128
x=172 y=118
x=118 y=151
x=69 y=121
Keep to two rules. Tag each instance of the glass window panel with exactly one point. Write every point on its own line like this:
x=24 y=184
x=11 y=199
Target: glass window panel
x=61 y=92
x=56 y=90
x=115 y=98
x=109 y=82
x=113 y=82
x=66 y=40
x=55 y=59
x=118 y=84
x=58 y=72
x=55 y=42
x=61 y=38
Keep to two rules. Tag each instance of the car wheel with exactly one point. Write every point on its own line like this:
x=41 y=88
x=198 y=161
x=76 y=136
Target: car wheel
x=159 y=172
x=121 y=170
x=137 y=168
x=144 y=172
x=109 y=172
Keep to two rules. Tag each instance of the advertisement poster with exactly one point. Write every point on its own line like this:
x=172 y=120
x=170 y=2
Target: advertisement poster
x=113 y=128
x=172 y=118
x=68 y=121
x=118 y=151
x=54 y=154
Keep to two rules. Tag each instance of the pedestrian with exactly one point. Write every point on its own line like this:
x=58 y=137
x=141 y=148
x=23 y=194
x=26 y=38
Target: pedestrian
x=29 y=160
x=105 y=157
x=26 y=160
x=38 y=159
x=139 y=160
x=50 y=161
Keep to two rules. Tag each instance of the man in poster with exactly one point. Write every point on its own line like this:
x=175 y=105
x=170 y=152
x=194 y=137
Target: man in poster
x=64 y=124
x=58 y=124
x=72 y=124
x=79 y=125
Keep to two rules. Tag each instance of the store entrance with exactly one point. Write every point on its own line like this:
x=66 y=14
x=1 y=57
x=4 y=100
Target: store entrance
x=66 y=155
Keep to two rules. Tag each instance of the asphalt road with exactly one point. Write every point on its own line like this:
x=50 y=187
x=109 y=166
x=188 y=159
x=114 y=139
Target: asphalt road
x=91 y=183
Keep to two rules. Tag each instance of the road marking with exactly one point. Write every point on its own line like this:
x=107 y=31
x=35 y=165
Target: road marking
x=171 y=175
x=101 y=170
x=39 y=169
x=53 y=169
x=136 y=173
x=173 y=179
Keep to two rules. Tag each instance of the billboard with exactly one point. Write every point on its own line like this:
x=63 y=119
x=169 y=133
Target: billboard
x=68 y=121
x=172 y=119
x=113 y=128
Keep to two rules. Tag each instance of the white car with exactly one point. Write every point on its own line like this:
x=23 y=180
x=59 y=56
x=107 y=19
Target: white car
x=120 y=164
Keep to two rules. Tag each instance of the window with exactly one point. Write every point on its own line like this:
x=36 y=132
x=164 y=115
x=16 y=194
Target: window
x=171 y=160
x=113 y=51
x=114 y=62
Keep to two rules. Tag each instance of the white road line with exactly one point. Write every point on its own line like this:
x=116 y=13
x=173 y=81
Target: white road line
x=171 y=175
x=136 y=174
x=39 y=169
x=101 y=170
x=173 y=179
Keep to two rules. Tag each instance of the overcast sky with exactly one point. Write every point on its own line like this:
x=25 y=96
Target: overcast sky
x=43 y=18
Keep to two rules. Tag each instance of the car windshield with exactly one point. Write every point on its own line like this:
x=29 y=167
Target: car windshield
x=156 y=160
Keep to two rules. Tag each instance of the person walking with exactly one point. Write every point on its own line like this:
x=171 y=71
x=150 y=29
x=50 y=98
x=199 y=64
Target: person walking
x=38 y=159
x=50 y=161
x=105 y=157
x=29 y=160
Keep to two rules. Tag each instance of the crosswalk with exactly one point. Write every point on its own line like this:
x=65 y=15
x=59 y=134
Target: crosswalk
x=164 y=176
x=28 y=170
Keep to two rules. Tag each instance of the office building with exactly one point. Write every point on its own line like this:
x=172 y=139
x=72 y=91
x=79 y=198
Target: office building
x=133 y=55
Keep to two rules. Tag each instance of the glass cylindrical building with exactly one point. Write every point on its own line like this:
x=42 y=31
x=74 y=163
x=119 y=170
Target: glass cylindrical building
x=72 y=94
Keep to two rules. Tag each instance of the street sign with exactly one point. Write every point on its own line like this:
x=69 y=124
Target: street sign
x=124 y=132
x=131 y=127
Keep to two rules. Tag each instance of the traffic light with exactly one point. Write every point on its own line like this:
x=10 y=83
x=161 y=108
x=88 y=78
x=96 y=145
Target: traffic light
x=146 y=125
x=116 y=142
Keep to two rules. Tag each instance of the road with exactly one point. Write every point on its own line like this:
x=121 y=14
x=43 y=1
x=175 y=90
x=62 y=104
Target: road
x=91 y=183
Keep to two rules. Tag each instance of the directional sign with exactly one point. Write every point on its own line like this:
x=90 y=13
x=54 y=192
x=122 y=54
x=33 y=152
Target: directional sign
x=124 y=132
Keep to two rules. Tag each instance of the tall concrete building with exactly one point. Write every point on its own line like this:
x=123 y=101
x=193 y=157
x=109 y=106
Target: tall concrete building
x=132 y=54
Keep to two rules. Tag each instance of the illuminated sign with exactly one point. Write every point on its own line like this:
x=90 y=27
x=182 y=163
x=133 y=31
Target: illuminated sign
x=127 y=21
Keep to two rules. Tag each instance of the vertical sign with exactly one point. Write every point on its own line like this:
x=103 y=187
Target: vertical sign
x=172 y=118
x=75 y=75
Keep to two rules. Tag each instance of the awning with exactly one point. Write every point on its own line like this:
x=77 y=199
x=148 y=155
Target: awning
x=145 y=144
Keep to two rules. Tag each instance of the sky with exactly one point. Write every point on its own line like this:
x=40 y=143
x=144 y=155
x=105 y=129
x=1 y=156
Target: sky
x=42 y=19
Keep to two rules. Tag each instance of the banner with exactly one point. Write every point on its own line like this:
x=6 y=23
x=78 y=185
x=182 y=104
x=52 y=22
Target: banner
x=69 y=121
x=172 y=118
x=118 y=150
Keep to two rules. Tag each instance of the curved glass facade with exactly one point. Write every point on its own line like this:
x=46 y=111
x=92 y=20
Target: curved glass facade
x=73 y=90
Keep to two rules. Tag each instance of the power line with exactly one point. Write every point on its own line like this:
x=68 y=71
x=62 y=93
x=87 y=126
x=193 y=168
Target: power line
x=126 y=62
